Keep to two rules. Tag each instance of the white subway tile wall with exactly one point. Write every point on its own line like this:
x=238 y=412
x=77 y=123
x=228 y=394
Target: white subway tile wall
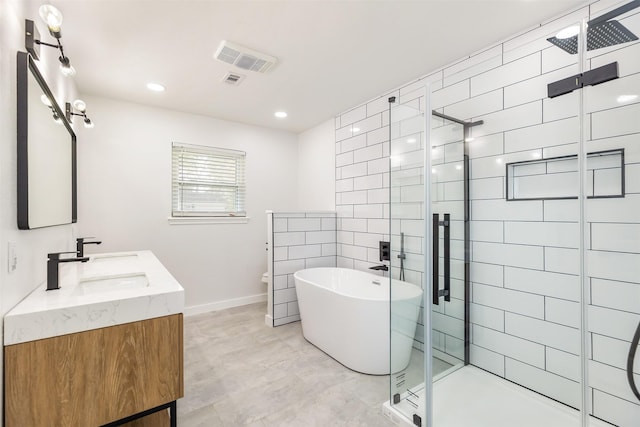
x=525 y=315
x=300 y=240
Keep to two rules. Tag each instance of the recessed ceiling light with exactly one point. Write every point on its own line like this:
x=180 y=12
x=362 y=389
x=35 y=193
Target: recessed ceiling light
x=280 y=114
x=626 y=98
x=568 y=32
x=156 y=87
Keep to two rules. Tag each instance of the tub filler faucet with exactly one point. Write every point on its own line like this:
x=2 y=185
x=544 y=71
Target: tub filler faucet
x=52 y=267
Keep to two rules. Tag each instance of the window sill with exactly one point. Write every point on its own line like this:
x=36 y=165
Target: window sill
x=192 y=220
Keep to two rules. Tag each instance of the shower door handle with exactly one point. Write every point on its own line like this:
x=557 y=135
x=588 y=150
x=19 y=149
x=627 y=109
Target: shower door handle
x=436 y=258
x=446 y=292
x=447 y=258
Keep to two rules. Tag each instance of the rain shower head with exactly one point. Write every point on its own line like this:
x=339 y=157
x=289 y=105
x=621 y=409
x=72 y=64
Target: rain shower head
x=602 y=31
x=605 y=34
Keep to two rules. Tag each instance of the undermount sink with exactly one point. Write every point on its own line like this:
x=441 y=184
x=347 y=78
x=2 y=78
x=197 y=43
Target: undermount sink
x=114 y=257
x=111 y=283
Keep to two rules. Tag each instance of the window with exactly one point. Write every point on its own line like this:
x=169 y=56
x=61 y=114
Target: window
x=207 y=182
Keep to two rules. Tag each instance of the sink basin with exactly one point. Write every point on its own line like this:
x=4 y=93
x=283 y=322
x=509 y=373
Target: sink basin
x=111 y=283
x=114 y=257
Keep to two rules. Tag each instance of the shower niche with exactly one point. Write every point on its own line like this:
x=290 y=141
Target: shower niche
x=557 y=178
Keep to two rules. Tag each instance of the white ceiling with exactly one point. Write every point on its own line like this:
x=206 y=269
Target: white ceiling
x=333 y=55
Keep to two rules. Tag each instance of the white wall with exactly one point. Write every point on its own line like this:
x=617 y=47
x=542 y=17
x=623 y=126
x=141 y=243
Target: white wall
x=316 y=163
x=32 y=245
x=124 y=196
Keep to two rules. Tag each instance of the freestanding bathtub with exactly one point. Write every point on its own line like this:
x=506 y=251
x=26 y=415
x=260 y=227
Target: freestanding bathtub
x=345 y=313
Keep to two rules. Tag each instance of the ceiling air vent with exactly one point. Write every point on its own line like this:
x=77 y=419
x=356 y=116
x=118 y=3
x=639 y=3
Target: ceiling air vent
x=243 y=57
x=233 y=78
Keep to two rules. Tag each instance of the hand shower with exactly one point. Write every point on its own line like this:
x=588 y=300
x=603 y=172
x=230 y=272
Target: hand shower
x=402 y=256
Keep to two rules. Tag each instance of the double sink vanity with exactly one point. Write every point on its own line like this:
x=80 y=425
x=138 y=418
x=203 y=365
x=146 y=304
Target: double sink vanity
x=104 y=349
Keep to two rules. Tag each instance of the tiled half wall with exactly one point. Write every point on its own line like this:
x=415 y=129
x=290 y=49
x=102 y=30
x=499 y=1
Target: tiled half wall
x=298 y=240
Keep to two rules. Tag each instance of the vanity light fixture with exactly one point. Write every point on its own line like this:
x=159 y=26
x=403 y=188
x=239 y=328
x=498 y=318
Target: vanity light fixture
x=53 y=18
x=81 y=106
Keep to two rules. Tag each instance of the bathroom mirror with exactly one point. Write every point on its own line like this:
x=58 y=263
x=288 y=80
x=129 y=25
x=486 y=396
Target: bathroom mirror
x=46 y=153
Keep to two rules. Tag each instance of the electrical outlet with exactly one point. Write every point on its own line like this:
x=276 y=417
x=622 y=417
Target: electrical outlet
x=12 y=258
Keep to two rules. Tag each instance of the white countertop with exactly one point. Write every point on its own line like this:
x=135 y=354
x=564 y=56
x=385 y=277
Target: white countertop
x=80 y=306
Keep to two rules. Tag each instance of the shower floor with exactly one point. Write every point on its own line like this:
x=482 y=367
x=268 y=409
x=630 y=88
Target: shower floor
x=472 y=397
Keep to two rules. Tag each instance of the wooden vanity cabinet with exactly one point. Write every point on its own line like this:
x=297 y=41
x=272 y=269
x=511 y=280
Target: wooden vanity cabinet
x=95 y=377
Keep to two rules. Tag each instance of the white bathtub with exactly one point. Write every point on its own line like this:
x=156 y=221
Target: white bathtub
x=345 y=313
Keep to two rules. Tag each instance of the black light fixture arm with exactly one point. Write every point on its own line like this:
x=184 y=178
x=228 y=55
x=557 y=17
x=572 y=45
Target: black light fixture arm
x=58 y=46
x=83 y=113
x=63 y=59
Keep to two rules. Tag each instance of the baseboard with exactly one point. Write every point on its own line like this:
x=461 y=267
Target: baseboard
x=268 y=320
x=221 y=305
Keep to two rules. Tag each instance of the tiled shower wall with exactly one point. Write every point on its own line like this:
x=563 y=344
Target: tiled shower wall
x=300 y=240
x=524 y=262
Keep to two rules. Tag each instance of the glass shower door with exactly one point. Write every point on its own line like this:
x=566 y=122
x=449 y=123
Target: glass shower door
x=406 y=212
x=449 y=193
x=519 y=231
x=612 y=216
x=409 y=246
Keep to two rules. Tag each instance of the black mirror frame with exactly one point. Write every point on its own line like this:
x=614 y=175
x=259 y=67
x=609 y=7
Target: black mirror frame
x=26 y=65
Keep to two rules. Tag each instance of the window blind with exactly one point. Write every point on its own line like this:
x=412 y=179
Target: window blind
x=207 y=181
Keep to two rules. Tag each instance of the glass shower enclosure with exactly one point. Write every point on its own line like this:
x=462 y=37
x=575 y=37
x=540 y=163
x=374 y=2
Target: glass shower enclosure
x=515 y=206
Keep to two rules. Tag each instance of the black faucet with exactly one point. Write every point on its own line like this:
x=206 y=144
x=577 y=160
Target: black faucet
x=52 y=267
x=80 y=245
x=382 y=267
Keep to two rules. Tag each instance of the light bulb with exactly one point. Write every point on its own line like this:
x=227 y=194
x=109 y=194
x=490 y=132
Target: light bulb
x=67 y=70
x=80 y=105
x=45 y=100
x=51 y=16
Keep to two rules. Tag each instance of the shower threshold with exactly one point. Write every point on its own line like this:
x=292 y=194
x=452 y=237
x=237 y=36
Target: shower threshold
x=470 y=396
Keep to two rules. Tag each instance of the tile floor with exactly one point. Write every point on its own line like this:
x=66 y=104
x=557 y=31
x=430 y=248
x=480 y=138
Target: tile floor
x=239 y=372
